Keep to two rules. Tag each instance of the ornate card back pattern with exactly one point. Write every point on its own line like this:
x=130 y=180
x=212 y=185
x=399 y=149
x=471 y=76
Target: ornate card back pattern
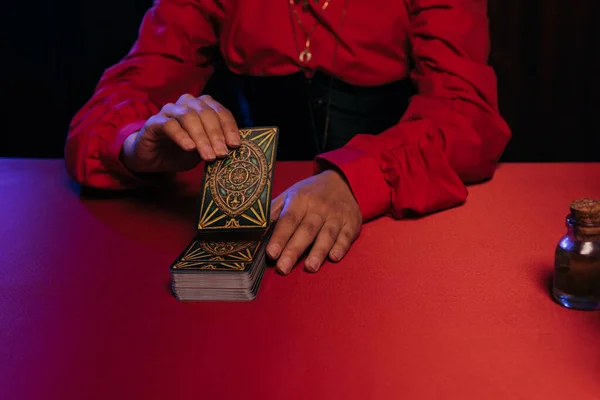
x=236 y=192
x=210 y=255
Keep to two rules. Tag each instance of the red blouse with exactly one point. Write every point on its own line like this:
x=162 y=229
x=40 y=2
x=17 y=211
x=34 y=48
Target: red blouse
x=451 y=134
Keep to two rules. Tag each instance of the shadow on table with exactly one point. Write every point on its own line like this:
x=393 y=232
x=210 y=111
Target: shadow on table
x=544 y=278
x=161 y=218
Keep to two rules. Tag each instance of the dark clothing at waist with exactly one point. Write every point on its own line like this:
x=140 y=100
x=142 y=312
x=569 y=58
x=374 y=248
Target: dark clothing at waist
x=298 y=106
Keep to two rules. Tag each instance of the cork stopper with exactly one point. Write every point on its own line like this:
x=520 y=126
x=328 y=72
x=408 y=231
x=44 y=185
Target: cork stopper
x=586 y=211
x=586 y=218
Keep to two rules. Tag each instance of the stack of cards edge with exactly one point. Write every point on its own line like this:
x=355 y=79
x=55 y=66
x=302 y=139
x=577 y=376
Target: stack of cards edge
x=218 y=280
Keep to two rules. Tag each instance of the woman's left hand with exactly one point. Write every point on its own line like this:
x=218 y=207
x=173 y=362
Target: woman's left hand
x=320 y=209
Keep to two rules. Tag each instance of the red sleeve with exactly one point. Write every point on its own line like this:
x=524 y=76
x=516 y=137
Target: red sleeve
x=451 y=134
x=168 y=59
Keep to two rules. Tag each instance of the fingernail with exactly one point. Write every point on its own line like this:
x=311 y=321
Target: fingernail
x=312 y=264
x=273 y=250
x=285 y=265
x=210 y=155
x=235 y=140
x=335 y=255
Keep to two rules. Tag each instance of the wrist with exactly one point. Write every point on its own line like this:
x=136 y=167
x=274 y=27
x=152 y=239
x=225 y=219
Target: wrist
x=335 y=174
x=338 y=179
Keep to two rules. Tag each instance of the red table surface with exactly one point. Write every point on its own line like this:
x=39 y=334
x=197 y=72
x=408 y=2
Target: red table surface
x=454 y=305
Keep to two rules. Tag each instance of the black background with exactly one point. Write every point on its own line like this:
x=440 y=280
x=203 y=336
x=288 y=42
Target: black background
x=546 y=54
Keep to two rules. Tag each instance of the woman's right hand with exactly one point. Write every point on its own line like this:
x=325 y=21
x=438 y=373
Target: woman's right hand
x=180 y=136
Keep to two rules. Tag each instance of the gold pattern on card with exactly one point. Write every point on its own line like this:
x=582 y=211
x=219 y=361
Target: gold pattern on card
x=218 y=254
x=221 y=249
x=224 y=267
x=209 y=218
x=237 y=189
x=232 y=223
x=230 y=266
x=237 y=182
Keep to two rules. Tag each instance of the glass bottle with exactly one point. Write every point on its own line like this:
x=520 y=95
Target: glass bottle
x=576 y=282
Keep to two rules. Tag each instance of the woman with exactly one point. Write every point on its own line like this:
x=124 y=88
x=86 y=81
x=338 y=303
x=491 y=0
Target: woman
x=393 y=97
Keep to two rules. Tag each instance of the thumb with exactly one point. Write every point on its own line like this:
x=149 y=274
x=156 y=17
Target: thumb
x=277 y=206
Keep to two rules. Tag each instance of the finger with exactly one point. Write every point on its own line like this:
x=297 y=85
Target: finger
x=277 y=206
x=323 y=244
x=212 y=127
x=302 y=238
x=184 y=99
x=190 y=122
x=347 y=236
x=227 y=120
x=163 y=126
x=291 y=216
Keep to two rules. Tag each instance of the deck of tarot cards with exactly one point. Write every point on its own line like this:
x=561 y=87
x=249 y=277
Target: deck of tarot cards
x=226 y=260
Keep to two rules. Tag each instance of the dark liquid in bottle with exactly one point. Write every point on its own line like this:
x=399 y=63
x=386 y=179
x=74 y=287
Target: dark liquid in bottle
x=577 y=276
